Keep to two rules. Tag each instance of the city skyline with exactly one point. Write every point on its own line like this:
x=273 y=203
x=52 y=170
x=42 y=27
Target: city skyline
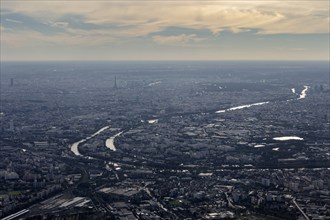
x=171 y=30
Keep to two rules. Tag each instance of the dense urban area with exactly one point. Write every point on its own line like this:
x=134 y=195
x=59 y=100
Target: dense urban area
x=165 y=140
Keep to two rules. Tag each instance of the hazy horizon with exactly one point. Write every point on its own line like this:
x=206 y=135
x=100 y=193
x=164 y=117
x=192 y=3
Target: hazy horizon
x=150 y=60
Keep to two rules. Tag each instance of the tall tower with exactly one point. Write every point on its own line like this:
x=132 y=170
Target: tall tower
x=115 y=84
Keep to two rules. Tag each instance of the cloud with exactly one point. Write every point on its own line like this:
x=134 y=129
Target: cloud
x=33 y=38
x=13 y=21
x=292 y=48
x=174 y=39
x=60 y=24
x=268 y=16
x=129 y=19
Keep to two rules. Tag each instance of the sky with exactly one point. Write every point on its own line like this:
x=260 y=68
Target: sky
x=164 y=30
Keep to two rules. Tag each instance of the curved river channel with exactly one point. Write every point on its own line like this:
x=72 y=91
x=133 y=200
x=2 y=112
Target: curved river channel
x=109 y=143
x=74 y=146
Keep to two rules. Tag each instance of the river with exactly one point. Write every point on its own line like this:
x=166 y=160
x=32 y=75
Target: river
x=288 y=138
x=152 y=121
x=241 y=107
x=302 y=95
x=74 y=146
x=303 y=92
x=109 y=143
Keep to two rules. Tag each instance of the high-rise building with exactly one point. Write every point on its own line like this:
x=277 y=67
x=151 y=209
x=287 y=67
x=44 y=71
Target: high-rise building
x=11 y=82
x=115 y=84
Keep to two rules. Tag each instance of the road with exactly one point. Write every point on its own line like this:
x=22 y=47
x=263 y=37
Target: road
x=298 y=207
